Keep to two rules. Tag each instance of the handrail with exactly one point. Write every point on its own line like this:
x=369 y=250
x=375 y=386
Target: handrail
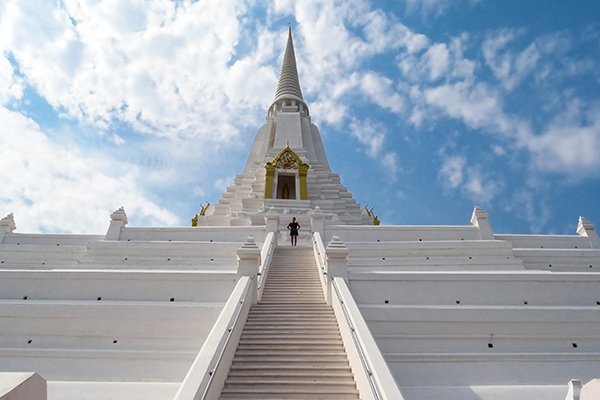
x=203 y=370
x=376 y=372
x=230 y=330
x=380 y=379
x=319 y=250
x=359 y=347
x=266 y=255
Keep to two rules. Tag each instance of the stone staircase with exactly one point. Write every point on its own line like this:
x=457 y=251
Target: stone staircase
x=291 y=346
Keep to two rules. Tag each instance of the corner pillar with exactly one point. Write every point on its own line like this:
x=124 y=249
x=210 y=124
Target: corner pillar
x=248 y=257
x=7 y=225
x=272 y=223
x=479 y=218
x=587 y=228
x=336 y=254
x=118 y=220
x=317 y=221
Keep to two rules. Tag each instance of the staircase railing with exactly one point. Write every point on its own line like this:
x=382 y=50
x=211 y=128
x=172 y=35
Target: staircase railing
x=319 y=251
x=206 y=377
x=373 y=377
x=266 y=255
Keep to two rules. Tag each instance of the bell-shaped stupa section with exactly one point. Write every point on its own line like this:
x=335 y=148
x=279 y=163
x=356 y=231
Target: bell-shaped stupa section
x=287 y=168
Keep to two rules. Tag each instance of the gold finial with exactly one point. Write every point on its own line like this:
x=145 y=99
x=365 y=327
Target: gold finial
x=201 y=213
x=204 y=208
x=371 y=214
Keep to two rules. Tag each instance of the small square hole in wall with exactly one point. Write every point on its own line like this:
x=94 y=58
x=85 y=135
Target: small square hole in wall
x=525 y=303
x=420 y=240
x=57 y=244
x=172 y=299
x=470 y=258
x=168 y=259
x=590 y=266
x=129 y=240
x=24 y=297
x=115 y=341
x=210 y=240
x=427 y=258
x=490 y=345
x=29 y=341
x=549 y=265
x=378 y=240
x=99 y=298
x=387 y=302
x=212 y=259
x=598 y=303
x=125 y=258
x=383 y=258
x=457 y=301
x=574 y=345
x=575 y=246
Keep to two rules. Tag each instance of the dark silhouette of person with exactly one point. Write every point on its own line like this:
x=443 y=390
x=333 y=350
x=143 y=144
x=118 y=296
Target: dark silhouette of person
x=293 y=227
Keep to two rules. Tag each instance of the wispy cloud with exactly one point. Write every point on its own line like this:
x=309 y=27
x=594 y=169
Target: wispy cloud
x=372 y=135
x=57 y=188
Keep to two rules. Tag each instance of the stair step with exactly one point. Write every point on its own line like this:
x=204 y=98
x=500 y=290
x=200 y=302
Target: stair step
x=251 y=348
x=291 y=335
x=275 y=367
x=277 y=390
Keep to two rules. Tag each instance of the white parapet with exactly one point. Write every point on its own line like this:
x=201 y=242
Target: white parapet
x=22 y=386
x=118 y=219
x=479 y=218
x=586 y=228
x=7 y=225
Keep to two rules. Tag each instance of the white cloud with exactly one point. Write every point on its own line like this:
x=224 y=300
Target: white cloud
x=11 y=87
x=380 y=91
x=571 y=143
x=372 y=135
x=158 y=66
x=452 y=171
x=480 y=188
x=437 y=58
x=456 y=174
x=531 y=209
x=476 y=104
x=440 y=61
x=426 y=8
x=61 y=189
x=390 y=163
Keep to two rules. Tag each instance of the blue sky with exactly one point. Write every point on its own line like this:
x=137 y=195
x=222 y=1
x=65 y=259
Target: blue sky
x=426 y=108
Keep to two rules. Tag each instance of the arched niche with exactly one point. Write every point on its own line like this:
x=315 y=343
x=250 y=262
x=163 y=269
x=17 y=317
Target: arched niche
x=285 y=177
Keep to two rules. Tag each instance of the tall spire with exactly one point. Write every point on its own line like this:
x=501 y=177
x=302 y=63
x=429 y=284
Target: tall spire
x=288 y=86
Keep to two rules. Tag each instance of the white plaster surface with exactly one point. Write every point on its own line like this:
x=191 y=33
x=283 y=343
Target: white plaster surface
x=22 y=386
x=81 y=390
